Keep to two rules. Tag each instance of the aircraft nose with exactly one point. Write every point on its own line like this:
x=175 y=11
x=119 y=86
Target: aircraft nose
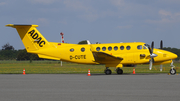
x=164 y=55
x=172 y=56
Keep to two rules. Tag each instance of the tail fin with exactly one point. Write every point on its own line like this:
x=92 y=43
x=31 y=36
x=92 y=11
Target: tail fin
x=31 y=37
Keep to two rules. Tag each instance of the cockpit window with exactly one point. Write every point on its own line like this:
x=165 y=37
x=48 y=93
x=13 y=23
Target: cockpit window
x=139 y=47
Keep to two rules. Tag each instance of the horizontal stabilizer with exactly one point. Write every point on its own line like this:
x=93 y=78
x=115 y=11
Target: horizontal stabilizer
x=47 y=57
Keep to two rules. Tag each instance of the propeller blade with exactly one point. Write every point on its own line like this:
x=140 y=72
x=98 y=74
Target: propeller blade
x=150 y=64
x=152 y=60
x=150 y=51
x=152 y=46
x=161 y=44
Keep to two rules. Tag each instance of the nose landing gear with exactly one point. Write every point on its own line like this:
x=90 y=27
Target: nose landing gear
x=172 y=70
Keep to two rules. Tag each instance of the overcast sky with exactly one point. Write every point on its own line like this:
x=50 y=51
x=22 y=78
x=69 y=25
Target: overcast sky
x=104 y=21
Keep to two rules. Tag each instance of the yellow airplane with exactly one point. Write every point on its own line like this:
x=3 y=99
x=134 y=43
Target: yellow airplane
x=116 y=55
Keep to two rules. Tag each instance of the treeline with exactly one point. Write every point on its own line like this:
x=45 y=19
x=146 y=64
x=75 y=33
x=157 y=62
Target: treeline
x=8 y=53
x=17 y=55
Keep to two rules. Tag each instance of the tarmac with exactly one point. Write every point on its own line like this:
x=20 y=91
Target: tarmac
x=97 y=87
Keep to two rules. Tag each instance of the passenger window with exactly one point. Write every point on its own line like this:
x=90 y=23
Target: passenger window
x=115 y=48
x=139 y=47
x=71 y=50
x=122 y=47
x=109 y=48
x=98 y=48
x=128 y=47
x=104 y=48
x=82 y=49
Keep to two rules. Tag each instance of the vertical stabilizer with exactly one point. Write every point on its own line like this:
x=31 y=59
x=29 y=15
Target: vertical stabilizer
x=31 y=37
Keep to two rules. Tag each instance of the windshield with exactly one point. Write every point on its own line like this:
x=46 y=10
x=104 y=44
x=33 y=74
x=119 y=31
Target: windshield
x=147 y=46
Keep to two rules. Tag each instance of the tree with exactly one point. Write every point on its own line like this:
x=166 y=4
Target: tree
x=23 y=55
x=7 y=46
x=8 y=52
x=83 y=42
x=98 y=43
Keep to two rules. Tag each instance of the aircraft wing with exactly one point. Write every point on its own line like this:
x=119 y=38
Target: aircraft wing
x=101 y=56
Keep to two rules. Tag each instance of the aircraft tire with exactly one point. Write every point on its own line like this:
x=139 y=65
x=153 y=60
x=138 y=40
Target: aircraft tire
x=173 y=71
x=108 y=72
x=119 y=71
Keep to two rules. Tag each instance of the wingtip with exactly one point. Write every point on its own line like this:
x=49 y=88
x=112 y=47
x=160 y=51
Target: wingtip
x=20 y=25
x=9 y=25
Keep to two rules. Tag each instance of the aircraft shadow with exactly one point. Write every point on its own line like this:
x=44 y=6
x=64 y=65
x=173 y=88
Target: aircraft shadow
x=126 y=74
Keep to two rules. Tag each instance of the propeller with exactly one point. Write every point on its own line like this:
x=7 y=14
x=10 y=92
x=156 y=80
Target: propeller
x=161 y=44
x=152 y=55
x=161 y=47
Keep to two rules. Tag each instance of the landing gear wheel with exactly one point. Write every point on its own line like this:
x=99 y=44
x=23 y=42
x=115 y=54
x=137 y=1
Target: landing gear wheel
x=119 y=71
x=108 y=72
x=173 y=71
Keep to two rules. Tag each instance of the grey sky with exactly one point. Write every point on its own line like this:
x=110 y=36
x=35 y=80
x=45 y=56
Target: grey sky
x=104 y=21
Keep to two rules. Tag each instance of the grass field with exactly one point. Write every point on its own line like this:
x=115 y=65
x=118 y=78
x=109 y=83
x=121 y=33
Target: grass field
x=54 y=67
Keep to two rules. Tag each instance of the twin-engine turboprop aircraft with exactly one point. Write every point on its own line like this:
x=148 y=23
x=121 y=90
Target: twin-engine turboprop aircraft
x=111 y=54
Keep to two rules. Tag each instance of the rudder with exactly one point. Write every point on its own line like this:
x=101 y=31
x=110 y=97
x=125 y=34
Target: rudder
x=32 y=39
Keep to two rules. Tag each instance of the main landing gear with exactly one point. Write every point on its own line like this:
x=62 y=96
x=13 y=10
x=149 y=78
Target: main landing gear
x=172 y=70
x=119 y=71
x=107 y=71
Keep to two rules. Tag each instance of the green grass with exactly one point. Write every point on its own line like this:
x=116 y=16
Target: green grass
x=54 y=67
